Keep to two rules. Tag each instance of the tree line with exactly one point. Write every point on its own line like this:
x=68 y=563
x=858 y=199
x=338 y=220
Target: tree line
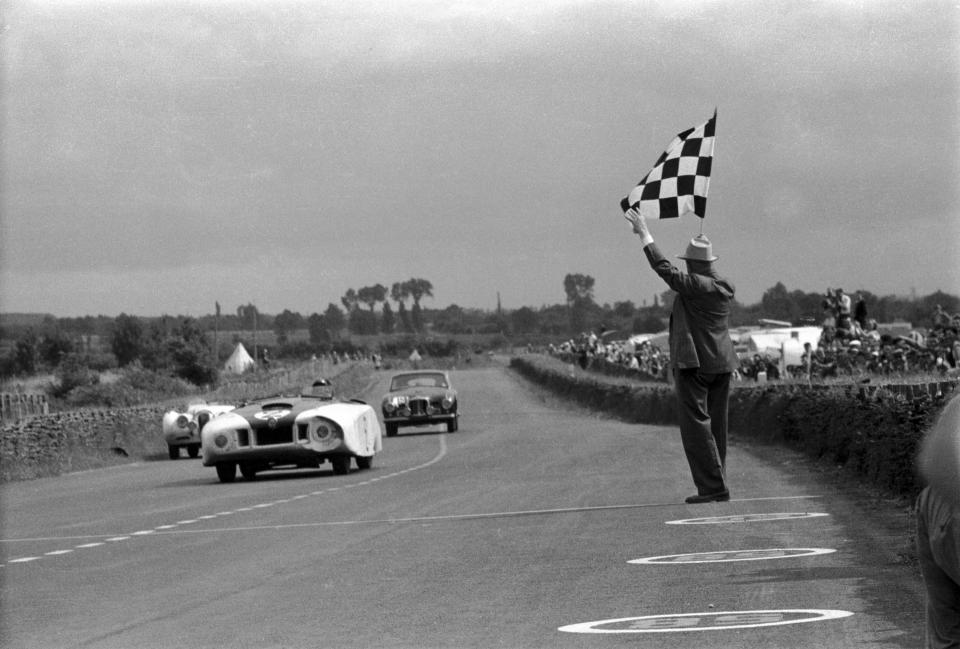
x=182 y=345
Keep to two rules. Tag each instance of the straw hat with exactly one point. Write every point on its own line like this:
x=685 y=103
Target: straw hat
x=699 y=249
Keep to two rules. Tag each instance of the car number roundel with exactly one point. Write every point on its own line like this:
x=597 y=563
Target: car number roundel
x=271 y=414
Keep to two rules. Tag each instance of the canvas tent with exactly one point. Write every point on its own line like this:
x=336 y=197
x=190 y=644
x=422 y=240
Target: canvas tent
x=239 y=361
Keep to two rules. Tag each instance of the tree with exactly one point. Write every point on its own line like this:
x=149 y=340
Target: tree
x=777 y=304
x=578 y=287
x=317 y=329
x=387 y=322
x=418 y=289
x=26 y=352
x=191 y=355
x=525 y=320
x=372 y=295
x=350 y=300
x=286 y=322
x=579 y=290
x=624 y=309
x=127 y=340
x=248 y=316
x=400 y=291
x=334 y=319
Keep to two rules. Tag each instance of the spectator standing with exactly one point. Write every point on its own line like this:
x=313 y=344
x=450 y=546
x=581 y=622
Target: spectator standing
x=860 y=312
x=843 y=310
x=702 y=355
x=938 y=528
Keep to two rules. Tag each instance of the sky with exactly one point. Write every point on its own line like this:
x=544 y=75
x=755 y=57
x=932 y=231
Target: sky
x=161 y=156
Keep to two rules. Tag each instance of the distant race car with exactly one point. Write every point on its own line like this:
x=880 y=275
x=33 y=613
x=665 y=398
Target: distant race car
x=419 y=398
x=181 y=428
x=292 y=432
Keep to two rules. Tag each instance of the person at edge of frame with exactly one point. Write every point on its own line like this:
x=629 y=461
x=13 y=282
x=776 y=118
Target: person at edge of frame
x=938 y=527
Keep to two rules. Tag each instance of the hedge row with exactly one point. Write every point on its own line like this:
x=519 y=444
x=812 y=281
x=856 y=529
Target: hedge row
x=872 y=434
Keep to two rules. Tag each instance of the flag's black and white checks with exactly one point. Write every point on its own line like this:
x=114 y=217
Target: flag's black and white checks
x=679 y=181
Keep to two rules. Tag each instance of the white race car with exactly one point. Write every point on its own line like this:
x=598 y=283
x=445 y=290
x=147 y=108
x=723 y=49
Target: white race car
x=181 y=428
x=292 y=432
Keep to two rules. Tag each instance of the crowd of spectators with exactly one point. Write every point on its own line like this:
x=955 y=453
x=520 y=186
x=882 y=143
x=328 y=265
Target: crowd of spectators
x=851 y=344
x=855 y=345
x=589 y=348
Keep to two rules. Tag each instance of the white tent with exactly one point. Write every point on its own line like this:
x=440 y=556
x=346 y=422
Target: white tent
x=239 y=361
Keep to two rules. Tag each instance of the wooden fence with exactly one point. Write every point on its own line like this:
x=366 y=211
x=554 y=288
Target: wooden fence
x=15 y=406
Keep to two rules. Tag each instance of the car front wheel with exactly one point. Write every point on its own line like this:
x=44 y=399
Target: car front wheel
x=227 y=471
x=173 y=452
x=193 y=450
x=391 y=430
x=453 y=425
x=341 y=464
x=364 y=462
x=248 y=471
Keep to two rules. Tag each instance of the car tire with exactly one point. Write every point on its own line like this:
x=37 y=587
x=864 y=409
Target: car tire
x=364 y=462
x=248 y=471
x=453 y=425
x=391 y=430
x=227 y=471
x=341 y=464
x=173 y=452
x=193 y=451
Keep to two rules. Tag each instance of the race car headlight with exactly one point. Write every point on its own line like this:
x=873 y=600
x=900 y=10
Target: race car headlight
x=448 y=402
x=325 y=431
x=182 y=421
x=221 y=441
x=389 y=406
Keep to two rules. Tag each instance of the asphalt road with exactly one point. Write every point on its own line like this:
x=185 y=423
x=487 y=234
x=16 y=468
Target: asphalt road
x=520 y=530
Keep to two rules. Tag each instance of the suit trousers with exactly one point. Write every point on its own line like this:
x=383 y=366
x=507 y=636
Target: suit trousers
x=703 y=406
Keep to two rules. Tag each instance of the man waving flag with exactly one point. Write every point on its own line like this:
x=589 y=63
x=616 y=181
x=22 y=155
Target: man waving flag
x=678 y=182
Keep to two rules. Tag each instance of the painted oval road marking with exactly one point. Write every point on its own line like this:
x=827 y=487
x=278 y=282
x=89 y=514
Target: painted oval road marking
x=733 y=555
x=746 y=518
x=719 y=621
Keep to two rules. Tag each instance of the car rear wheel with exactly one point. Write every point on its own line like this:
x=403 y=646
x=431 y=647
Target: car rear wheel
x=248 y=471
x=193 y=450
x=364 y=462
x=341 y=464
x=173 y=452
x=227 y=471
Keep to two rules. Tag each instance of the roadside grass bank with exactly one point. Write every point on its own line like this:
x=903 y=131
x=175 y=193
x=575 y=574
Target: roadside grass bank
x=870 y=435
x=90 y=438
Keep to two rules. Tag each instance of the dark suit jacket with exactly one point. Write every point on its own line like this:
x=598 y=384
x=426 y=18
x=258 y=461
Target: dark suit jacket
x=699 y=330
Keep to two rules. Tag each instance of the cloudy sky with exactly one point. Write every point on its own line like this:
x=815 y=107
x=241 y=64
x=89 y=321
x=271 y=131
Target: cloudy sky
x=158 y=156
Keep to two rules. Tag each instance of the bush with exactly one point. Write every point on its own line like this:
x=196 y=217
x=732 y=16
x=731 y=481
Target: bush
x=72 y=373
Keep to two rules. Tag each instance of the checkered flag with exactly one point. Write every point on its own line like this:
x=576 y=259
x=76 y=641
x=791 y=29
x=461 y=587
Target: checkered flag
x=678 y=182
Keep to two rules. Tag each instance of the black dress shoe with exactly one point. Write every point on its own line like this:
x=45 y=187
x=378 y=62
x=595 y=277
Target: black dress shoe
x=720 y=496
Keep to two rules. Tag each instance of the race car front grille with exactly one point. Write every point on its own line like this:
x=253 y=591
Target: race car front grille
x=418 y=407
x=271 y=436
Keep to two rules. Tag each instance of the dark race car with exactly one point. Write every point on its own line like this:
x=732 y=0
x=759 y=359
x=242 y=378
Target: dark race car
x=420 y=398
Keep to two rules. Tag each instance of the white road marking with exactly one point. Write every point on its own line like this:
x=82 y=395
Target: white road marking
x=723 y=556
x=712 y=621
x=172 y=528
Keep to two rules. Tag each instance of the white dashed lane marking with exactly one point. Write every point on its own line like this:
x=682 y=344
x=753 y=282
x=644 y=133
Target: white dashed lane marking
x=167 y=528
